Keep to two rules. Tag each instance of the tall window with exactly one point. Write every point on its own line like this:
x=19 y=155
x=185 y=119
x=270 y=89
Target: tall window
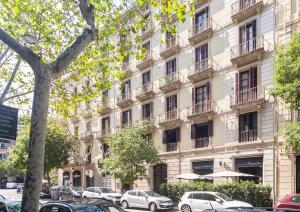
x=201 y=20
x=170 y=138
x=201 y=97
x=105 y=125
x=146 y=78
x=247 y=37
x=126 y=117
x=170 y=39
x=171 y=107
x=125 y=90
x=248 y=127
x=147 y=48
x=246 y=85
x=89 y=154
x=147 y=111
x=201 y=133
x=171 y=67
x=88 y=126
x=201 y=56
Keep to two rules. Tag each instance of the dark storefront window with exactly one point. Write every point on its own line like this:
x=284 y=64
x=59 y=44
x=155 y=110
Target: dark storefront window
x=203 y=167
x=253 y=166
x=66 y=178
x=77 y=178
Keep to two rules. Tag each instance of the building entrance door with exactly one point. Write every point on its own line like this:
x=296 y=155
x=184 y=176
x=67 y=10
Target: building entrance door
x=298 y=174
x=159 y=175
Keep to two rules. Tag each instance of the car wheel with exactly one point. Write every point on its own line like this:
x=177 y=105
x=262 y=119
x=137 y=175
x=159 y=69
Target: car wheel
x=125 y=205
x=186 y=208
x=153 y=207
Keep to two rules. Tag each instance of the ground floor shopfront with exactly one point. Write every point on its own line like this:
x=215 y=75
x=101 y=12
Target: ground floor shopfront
x=262 y=159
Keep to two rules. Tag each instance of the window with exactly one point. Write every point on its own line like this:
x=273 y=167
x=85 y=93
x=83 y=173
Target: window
x=89 y=154
x=132 y=193
x=246 y=85
x=171 y=67
x=146 y=78
x=170 y=138
x=2 y=157
x=201 y=56
x=248 y=127
x=198 y=196
x=147 y=111
x=147 y=48
x=201 y=133
x=126 y=87
x=247 y=37
x=105 y=150
x=3 y=146
x=295 y=199
x=170 y=39
x=126 y=117
x=105 y=93
x=88 y=126
x=171 y=103
x=148 y=137
x=203 y=167
x=52 y=208
x=105 y=123
x=201 y=20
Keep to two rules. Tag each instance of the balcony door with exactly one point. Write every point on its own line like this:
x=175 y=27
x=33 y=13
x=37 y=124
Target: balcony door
x=126 y=89
x=247 y=37
x=146 y=78
x=246 y=86
x=171 y=67
x=147 y=48
x=248 y=127
x=201 y=56
x=170 y=39
x=200 y=20
x=160 y=175
x=171 y=107
x=105 y=124
x=201 y=97
x=126 y=117
x=147 y=111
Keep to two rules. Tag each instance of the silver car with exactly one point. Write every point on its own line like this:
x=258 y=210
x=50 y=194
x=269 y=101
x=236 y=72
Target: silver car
x=145 y=199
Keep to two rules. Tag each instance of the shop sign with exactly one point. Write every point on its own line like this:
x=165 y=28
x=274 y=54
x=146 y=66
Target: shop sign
x=249 y=162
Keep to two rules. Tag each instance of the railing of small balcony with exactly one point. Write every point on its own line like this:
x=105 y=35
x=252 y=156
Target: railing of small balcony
x=200 y=27
x=247 y=46
x=170 y=42
x=201 y=107
x=124 y=96
x=147 y=55
x=169 y=115
x=85 y=135
x=144 y=88
x=170 y=78
x=171 y=146
x=247 y=136
x=105 y=103
x=201 y=65
x=247 y=95
x=201 y=142
x=242 y=5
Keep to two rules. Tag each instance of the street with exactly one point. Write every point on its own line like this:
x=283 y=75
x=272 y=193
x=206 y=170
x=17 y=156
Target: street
x=12 y=194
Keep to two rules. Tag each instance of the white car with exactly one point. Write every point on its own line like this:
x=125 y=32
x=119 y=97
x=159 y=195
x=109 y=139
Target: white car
x=201 y=201
x=102 y=192
x=145 y=199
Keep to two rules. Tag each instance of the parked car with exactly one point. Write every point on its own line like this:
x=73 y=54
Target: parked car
x=199 y=201
x=12 y=205
x=102 y=192
x=291 y=201
x=66 y=193
x=11 y=185
x=145 y=199
x=87 y=204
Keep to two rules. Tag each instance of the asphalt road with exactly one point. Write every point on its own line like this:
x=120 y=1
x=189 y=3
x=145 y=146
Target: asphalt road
x=13 y=194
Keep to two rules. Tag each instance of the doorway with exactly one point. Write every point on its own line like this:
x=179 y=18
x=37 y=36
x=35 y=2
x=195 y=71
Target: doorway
x=160 y=174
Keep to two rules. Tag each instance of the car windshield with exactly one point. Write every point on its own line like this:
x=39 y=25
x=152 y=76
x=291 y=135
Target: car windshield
x=106 y=190
x=95 y=208
x=224 y=197
x=152 y=194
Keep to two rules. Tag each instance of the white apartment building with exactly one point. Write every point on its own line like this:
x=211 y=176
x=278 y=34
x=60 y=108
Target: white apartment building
x=206 y=92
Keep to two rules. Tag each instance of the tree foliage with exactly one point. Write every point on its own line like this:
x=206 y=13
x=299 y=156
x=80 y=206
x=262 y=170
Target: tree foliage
x=58 y=149
x=287 y=76
x=291 y=134
x=130 y=153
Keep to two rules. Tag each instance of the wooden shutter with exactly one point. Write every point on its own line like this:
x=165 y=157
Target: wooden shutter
x=177 y=134
x=237 y=86
x=175 y=102
x=193 y=96
x=151 y=109
x=164 y=140
x=253 y=77
x=130 y=117
x=210 y=128
x=193 y=131
x=208 y=91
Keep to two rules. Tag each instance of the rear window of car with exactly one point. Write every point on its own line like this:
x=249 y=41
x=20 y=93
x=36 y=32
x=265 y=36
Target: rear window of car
x=295 y=199
x=133 y=193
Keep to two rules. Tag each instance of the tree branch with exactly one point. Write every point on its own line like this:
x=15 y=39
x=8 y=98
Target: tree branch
x=87 y=12
x=4 y=54
x=26 y=53
x=2 y=97
x=18 y=95
x=72 y=52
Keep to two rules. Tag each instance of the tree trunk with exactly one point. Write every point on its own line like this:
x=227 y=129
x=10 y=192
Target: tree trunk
x=35 y=166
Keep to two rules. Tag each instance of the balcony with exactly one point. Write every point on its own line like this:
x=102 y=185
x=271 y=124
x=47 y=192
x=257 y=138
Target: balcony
x=170 y=82
x=124 y=100
x=201 y=142
x=122 y=126
x=104 y=107
x=146 y=62
x=170 y=147
x=86 y=136
x=148 y=31
x=241 y=10
x=145 y=92
x=201 y=31
x=247 y=136
x=203 y=111
x=201 y=70
x=126 y=69
x=198 y=3
x=247 y=52
x=169 y=119
x=87 y=113
x=169 y=48
x=149 y=124
x=248 y=98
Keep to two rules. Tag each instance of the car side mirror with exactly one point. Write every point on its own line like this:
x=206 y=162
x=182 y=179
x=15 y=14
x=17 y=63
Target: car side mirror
x=219 y=200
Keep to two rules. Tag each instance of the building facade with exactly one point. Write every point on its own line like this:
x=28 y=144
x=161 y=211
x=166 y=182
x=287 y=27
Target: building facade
x=206 y=94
